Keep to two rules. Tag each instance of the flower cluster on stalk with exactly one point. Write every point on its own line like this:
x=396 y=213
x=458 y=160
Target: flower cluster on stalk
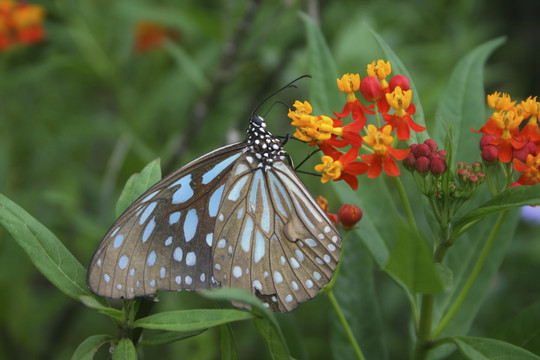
x=343 y=134
x=511 y=135
x=21 y=23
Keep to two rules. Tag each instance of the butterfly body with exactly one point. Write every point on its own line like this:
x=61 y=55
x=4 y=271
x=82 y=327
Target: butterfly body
x=237 y=217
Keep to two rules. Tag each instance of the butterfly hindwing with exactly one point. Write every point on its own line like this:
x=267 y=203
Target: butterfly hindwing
x=163 y=240
x=272 y=237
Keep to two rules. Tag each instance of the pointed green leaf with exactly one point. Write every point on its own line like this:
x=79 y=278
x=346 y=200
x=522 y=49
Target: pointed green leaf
x=125 y=350
x=274 y=339
x=187 y=320
x=474 y=348
x=46 y=252
x=137 y=184
x=228 y=343
x=411 y=262
x=93 y=303
x=523 y=329
x=508 y=199
x=324 y=94
x=168 y=337
x=88 y=348
x=463 y=103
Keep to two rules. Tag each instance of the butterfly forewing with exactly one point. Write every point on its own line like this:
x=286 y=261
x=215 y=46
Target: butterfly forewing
x=272 y=237
x=164 y=239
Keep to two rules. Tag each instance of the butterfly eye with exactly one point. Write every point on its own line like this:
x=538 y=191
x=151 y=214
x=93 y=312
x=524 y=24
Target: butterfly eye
x=238 y=216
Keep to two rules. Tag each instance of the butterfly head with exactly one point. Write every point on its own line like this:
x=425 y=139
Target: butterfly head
x=264 y=146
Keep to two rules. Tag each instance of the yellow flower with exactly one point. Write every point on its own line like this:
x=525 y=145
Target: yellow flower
x=380 y=69
x=331 y=169
x=349 y=83
x=379 y=140
x=399 y=100
x=500 y=103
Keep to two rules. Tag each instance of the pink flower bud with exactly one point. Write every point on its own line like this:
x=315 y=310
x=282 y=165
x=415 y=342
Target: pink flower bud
x=422 y=164
x=399 y=80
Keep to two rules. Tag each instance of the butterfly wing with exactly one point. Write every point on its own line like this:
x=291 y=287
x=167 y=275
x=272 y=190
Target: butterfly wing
x=163 y=241
x=272 y=237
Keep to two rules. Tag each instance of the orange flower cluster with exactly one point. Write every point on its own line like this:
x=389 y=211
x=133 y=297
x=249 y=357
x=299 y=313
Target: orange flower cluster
x=149 y=35
x=511 y=134
x=391 y=99
x=20 y=23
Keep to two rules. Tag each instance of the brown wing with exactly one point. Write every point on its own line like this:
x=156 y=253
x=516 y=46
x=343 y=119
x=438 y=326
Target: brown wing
x=163 y=241
x=272 y=237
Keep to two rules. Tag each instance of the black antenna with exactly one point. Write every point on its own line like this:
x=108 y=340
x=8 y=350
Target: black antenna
x=291 y=84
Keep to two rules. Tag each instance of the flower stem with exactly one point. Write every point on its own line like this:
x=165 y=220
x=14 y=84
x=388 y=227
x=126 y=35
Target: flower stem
x=472 y=277
x=345 y=325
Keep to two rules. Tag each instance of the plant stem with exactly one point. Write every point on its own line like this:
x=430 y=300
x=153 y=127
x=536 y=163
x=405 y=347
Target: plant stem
x=472 y=277
x=424 y=329
x=345 y=325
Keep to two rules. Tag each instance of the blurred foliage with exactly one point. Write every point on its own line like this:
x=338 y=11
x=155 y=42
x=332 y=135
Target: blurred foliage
x=82 y=111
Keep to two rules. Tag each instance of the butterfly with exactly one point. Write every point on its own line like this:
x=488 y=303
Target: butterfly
x=238 y=216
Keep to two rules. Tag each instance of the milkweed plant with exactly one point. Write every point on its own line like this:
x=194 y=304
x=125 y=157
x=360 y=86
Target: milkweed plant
x=433 y=208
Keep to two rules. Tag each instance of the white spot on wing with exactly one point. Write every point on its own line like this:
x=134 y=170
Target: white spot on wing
x=147 y=212
x=246 y=234
x=178 y=254
x=149 y=229
x=190 y=224
x=174 y=217
x=218 y=168
x=191 y=259
x=234 y=194
x=151 y=260
x=215 y=200
x=237 y=272
x=118 y=241
x=123 y=262
x=259 y=247
x=185 y=192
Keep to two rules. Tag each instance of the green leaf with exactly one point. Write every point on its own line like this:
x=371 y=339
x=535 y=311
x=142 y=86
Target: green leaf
x=523 y=329
x=88 y=348
x=324 y=95
x=267 y=326
x=474 y=348
x=274 y=339
x=93 y=303
x=411 y=263
x=137 y=184
x=355 y=293
x=228 y=343
x=187 y=320
x=169 y=337
x=46 y=252
x=508 y=199
x=125 y=350
x=399 y=68
x=463 y=103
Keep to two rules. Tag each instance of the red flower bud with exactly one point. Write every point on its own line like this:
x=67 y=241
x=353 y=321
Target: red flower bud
x=349 y=215
x=490 y=153
x=437 y=166
x=421 y=150
x=521 y=154
x=334 y=218
x=371 y=88
x=432 y=145
x=460 y=165
x=399 y=80
x=486 y=139
x=476 y=166
x=463 y=174
x=409 y=162
x=442 y=154
x=422 y=164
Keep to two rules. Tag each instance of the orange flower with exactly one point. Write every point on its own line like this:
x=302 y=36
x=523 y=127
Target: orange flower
x=345 y=167
x=349 y=83
x=507 y=134
x=20 y=23
x=530 y=170
x=150 y=35
x=401 y=120
x=384 y=155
